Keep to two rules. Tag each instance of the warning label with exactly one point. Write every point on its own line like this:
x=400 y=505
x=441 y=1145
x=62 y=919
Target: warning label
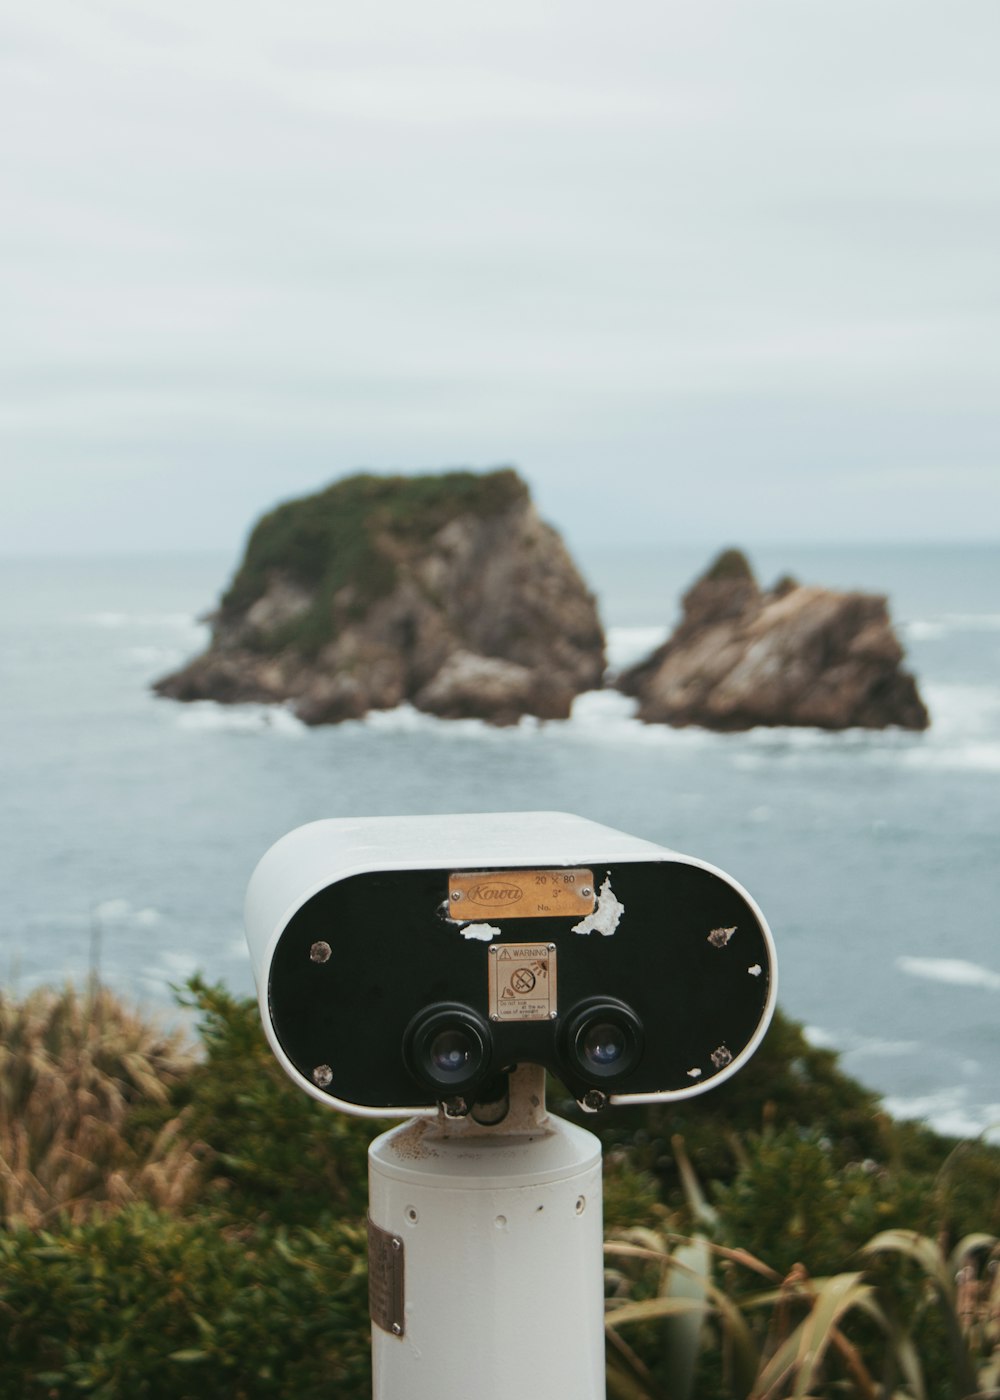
x=522 y=981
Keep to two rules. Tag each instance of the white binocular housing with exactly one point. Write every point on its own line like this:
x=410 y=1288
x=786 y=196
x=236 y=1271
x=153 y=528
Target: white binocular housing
x=408 y=962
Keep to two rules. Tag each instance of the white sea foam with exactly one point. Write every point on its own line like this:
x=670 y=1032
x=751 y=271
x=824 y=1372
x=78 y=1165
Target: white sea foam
x=121 y=911
x=178 y=963
x=820 y=1038
x=112 y=910
x=933 y=629
x=965 y=735
x=173 y=621
x=955 y=972
x=870 y=1047
x=206 y=716
x=966 y=739
x=154 y=656
x=950 y=1111
x=597 y=708
x=854 y=1043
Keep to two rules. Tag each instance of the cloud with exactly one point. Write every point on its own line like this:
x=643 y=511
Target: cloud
x=320 y=237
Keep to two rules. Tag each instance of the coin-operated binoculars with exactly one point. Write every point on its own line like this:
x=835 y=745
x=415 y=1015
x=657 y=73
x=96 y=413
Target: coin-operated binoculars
x=433 y=968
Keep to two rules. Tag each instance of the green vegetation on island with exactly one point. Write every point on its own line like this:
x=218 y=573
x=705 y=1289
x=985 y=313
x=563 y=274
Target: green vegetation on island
x=183 y=1223
x=343 y=538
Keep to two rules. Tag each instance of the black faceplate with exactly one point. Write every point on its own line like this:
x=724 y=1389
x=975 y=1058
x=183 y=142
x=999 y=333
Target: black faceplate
x=393 y=952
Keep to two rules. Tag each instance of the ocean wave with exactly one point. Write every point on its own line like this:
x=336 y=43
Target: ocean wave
x=205 y=716
x=966 y=736
x=149 y=657
x=955 y=972
x=855 y=1043
x=934 y=628
x=173 y=621
x=120 y=911
x=406 y=719
x=951 y=1112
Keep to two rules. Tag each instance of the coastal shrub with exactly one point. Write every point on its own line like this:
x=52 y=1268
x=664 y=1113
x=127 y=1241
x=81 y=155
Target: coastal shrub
x=690 y=1316
x=787 y=1084
x=145 y=1306
x=75 y=1066
x=791 y=1201
x=792 y=1211
x=273 y=1154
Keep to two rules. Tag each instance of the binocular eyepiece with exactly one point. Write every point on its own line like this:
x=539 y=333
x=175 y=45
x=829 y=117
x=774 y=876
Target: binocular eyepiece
x=450 y=1050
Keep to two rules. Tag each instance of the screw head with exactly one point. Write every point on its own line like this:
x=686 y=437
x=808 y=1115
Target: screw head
x=323 y=1076
x=320 y=952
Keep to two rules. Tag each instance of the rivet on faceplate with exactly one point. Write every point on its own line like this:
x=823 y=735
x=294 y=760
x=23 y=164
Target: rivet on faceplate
x=323 y=1076
x=320 y=953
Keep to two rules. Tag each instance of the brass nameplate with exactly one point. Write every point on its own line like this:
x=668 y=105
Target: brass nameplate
x=386 y=1297
x=521 y=894
x=522 y=981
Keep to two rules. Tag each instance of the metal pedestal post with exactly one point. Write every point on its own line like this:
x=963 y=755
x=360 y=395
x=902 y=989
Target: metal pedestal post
x=486 y=1261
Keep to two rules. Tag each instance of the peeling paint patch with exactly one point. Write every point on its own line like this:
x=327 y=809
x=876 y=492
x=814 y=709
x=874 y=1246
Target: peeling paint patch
x=606 y=917
x=722 y=1057
x=756 y=970
x=484 y=932
x=719 y=937
x=694 y=1074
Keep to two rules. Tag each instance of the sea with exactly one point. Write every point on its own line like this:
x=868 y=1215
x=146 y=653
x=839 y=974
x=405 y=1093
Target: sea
x=130 y=824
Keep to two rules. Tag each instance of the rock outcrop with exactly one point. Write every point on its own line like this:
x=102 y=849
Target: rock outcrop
x=446 y=591
x=793 y=655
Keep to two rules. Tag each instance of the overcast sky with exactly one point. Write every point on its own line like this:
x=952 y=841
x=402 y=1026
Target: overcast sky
x=715 y=271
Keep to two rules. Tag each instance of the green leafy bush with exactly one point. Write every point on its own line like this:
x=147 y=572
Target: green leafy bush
x=145 y=1306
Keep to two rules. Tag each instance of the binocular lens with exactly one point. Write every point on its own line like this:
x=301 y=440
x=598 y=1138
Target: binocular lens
x=604 y=1044
x=450 y=1052
x=448 y=1048
x=602 y=1039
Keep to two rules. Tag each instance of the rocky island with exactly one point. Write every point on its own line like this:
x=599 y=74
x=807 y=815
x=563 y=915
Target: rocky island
x=793 y=655
x=443 y=590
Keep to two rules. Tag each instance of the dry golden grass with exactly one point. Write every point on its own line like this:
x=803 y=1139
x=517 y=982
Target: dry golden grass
x=73 y=1065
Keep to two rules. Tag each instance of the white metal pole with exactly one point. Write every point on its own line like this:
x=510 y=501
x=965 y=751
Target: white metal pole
x=486 y=1259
